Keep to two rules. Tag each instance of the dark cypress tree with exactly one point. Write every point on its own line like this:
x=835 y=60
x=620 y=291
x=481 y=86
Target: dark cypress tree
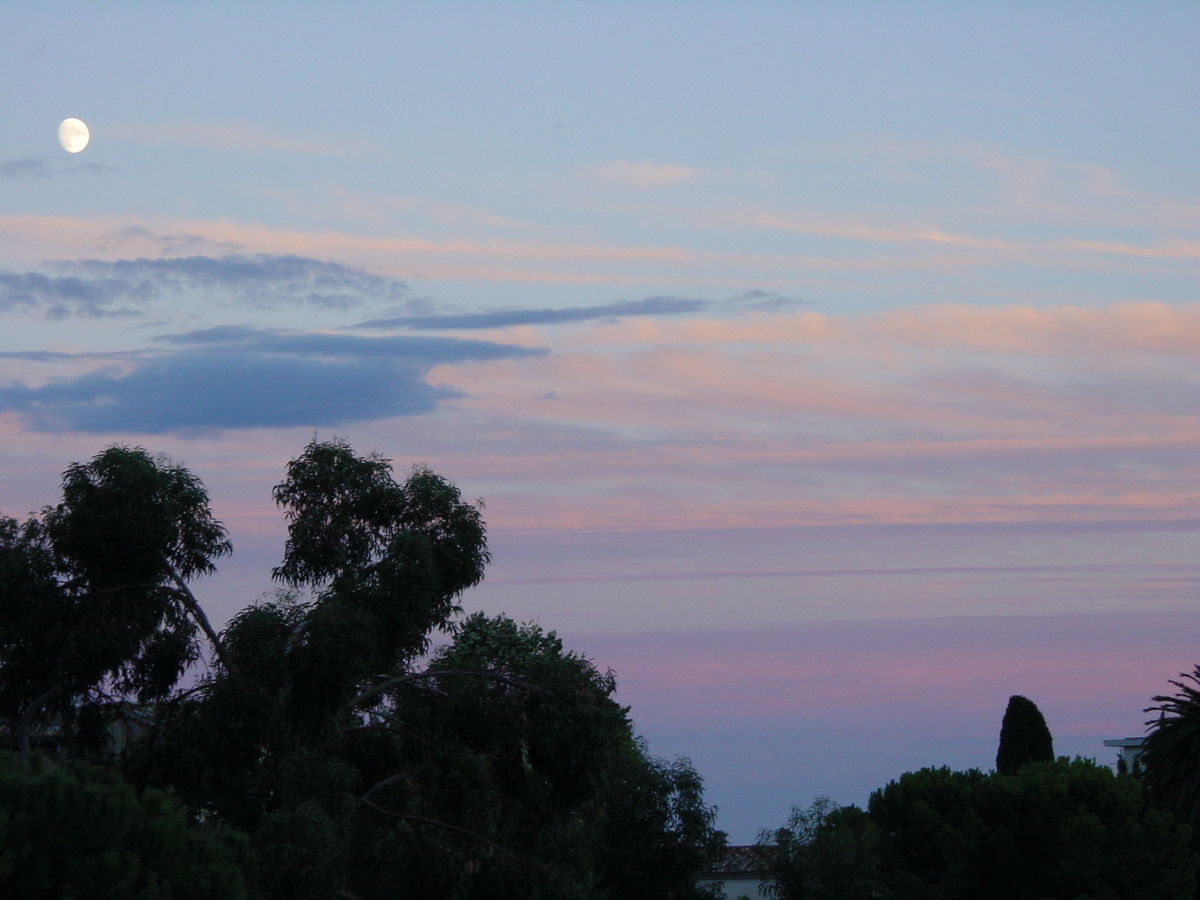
x=1024 y=737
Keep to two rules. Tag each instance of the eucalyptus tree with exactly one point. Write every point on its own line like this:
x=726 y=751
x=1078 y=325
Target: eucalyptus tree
x=522 y=742
x=501 y=767
x=277 y=739
x=371 y=568
x=357 y=765
x=94 y=594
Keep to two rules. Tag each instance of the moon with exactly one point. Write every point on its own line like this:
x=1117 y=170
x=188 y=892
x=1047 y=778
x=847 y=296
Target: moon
x=73 y=135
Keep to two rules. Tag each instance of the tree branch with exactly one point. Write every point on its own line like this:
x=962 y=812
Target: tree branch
x=412 y=818
x=435 y=673
x=27 y=717
x=185 y=595
x=392 y=780
x=193 y=606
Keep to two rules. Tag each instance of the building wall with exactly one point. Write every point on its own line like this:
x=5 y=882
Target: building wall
x=739 y=887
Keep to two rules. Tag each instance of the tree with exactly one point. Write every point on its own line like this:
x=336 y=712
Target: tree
x=1024 y=737
x=574 y=793
x=502 y=767
x=825 y=852
x=80 y=831
x=277 y=740
x=400 y=553
x=1060 y=830
x=94 y=596
x=1170 y=759
x=656 y=830
x=354 y=764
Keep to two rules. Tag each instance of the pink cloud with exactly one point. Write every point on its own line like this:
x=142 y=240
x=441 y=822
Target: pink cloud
x=246 y=137
x=1060 y=330
x=947 y=412
x=642 y=174
x=493 y=254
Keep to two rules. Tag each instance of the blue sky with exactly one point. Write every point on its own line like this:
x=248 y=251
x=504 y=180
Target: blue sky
x=756 y=325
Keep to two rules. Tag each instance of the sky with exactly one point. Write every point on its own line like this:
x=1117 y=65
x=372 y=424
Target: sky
x=828 y=371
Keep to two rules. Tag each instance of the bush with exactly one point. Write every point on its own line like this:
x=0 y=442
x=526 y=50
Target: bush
x=1059 y=830
x=82 y=832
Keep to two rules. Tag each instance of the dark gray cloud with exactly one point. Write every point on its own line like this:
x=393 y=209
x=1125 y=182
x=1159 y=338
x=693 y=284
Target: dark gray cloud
x=29 y=167
x=651 y=306
x=37 y=355
x=96 y=288
x=234 y=377
x=765 y=301
x=191 y=392
x=24 y=168
x=64 y=295
x=425 y=351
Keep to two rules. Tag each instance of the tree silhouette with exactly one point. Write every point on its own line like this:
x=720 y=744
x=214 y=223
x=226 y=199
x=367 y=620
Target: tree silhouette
x=94 y=596
x=1024 y=737
x=352 y=761
x=1170 y=759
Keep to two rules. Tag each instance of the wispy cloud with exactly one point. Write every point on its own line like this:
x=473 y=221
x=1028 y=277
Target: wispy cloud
x=827 y=251
x=651 y=306
x=123 y=287
x=243 y=137
x=165 y=245
x=943 y=413
x=238 y=377
x=23 y=168
x=642 y=174
x=1045 y=252
x=60 y=296
x=1023 y=185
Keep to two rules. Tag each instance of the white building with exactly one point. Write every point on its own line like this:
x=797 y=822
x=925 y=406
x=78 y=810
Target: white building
x=1130 y=750
x=738 y=873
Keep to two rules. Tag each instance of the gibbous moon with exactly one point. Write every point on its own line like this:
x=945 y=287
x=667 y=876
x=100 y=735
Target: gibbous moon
x=73 y=135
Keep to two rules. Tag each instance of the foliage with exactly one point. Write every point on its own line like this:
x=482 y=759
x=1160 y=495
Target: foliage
x=1067 y=829
x=37 y=642
x=93 y=594
x=1024 y=737
x=825 y=851
x=1170 y=759
x=502 y=768
x=570 y=784
x=505 y=769
x=83 y=832
x=397 y=555
x=657 y=832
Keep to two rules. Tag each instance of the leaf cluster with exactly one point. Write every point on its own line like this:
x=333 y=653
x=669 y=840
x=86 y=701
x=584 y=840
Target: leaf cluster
x=397 y=554
x=1170 y=760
